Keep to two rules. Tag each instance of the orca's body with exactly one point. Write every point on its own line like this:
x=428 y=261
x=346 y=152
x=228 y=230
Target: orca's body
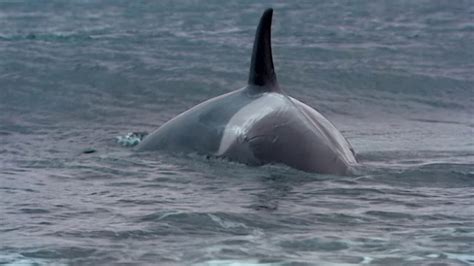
x=258 y=124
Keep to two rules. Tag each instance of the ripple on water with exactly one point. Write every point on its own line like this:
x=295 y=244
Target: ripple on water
x=314 y=244
x=60 y=253
x=208 y=223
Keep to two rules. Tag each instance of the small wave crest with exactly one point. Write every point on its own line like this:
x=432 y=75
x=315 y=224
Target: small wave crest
x=131 y=139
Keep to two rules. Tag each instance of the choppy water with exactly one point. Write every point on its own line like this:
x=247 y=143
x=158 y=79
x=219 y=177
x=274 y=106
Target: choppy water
x=395 y=76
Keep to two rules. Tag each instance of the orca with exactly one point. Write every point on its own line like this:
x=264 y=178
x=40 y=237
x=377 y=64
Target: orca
x=258 y=124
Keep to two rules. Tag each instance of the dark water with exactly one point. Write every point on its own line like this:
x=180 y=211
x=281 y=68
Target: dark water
x=397 y=77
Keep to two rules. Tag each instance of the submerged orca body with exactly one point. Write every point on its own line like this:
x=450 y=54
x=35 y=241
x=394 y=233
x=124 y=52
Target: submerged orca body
x=258 y=124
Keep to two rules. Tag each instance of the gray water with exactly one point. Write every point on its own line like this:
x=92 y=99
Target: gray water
x=396 y=77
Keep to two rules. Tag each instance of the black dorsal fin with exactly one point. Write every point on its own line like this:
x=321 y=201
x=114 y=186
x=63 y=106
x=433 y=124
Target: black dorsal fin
x=262 y=75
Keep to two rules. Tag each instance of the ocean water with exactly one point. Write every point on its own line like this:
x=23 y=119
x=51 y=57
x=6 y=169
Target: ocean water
x=396 y=77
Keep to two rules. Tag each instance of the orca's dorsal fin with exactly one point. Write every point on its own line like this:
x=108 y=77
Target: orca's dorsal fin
x=262 y=77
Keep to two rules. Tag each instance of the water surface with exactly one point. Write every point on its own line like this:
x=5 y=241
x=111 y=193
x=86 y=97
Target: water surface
x=396 y=77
